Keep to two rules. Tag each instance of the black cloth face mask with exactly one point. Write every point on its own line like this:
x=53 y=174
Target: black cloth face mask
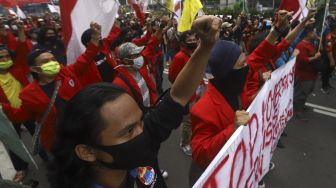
x=131 y=154
x=52 y=39
x=191 y=46
x=232 y=85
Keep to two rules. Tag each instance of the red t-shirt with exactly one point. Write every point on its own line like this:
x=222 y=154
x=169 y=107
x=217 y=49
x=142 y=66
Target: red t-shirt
x=304 y=69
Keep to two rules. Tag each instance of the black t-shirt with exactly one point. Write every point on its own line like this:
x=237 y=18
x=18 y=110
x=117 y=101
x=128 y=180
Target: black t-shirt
x=59 y=102
x=159 y=122
x=104 y=68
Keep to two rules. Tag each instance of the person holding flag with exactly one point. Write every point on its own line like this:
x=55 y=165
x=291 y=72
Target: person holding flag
x=329 y=56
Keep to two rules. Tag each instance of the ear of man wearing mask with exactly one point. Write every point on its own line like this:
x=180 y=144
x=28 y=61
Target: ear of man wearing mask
x=50 y=76
x=133 y=75
x=217 y=114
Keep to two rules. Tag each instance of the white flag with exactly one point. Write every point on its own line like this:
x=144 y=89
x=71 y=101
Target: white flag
x=20 y=13
x=12 y=12
x=177 y=9
x=54 y=8
x=76 y=18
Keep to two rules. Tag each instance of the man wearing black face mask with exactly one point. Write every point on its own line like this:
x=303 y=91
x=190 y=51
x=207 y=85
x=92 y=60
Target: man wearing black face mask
x=106 y=141
x=188 y=42
x=217 y=114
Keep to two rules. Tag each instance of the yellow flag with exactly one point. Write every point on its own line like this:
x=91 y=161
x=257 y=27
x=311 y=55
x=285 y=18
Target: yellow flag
x=189 y=12
x=170 y=5
x=310 y=3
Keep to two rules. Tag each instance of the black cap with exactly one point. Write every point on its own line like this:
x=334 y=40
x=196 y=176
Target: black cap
x=34 y=54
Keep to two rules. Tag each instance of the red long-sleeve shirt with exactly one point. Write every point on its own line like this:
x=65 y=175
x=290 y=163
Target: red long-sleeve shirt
x=35 y=101
x=261 y=60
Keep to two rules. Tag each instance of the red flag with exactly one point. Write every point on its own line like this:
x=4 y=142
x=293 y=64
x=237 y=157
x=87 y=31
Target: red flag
x=13 y=3
x=8 y=3
x=294 y=6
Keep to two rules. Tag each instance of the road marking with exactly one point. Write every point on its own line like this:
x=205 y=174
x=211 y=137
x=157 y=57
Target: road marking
x=317 y=108
x=325 y=113
x=206 y=81
x=321 y=107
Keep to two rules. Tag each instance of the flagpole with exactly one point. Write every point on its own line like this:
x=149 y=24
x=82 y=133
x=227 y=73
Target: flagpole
x=324 y=19
x=165 y=7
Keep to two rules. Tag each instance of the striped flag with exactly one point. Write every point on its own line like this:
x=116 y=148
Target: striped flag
x=76 y=18
x=177 y=10
x=296 y=6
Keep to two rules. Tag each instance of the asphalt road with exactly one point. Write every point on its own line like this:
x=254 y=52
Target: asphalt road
x=308 y=161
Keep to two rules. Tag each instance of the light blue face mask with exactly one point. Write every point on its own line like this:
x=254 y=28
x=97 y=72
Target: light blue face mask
x=138 y=62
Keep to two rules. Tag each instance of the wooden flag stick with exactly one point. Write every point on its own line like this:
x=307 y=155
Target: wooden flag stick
x=324 y=19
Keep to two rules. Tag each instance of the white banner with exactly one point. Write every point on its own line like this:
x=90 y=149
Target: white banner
x=245 y=158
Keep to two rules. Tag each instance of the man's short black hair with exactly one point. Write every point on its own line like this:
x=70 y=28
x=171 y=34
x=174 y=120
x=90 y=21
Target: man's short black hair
x=10 y=52
x=185 y=35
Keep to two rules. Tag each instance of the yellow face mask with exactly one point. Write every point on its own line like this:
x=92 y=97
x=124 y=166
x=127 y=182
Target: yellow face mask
x=6 y=64
x=51 y=68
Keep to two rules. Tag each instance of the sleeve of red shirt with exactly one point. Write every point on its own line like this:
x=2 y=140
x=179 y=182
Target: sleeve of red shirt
x=175 y=68
x=140 y=15
x=207 y=141
x=17 y=115
x=83 y=62
x=149 y=51
x=303 y=55
x=119 y=82
x=280 y=48
x=10 y=41
x=113 y=35
x=22 y=51
x=329 y=43
x=143 y=40
x=252 y=87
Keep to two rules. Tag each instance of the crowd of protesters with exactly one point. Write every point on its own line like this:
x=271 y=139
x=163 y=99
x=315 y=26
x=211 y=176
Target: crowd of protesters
x=99 y=121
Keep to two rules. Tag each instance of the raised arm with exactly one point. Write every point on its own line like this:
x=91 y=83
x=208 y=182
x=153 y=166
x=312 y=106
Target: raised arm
x=113 y=35
x=7 y=38
x=296 y=31
x=207 y=28
x=23 y=48
x=283 y=24
x=83 y=62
